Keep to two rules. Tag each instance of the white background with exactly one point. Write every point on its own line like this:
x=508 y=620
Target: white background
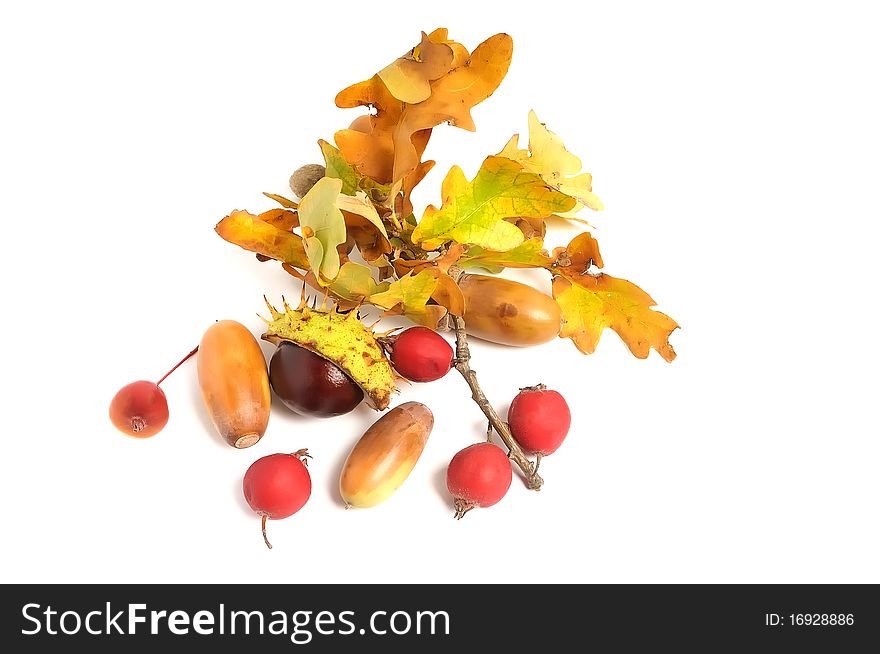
x=736 y=150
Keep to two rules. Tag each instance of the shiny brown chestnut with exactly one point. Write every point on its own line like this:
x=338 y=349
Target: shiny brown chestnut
x=310 y=385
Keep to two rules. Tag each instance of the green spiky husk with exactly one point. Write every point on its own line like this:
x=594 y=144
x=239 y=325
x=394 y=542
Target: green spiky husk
x=342 y=339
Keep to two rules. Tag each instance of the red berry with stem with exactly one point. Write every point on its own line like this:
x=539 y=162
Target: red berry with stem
x=479 y=475
x=277 y=486
x=141 y=409
x=421 y=354
x=539 y=419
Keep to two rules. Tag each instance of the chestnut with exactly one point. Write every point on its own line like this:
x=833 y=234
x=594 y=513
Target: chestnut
x=311 y=385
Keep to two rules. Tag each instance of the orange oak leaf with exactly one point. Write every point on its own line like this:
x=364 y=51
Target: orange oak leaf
x=595 y=302
x=387 y=153
x=255 y=234
x=280 y=218
x=364 y=226
x=530 y=226
x=409 y=77
x=283 y=201
x=460 y=53
x=404 y=266
x=447 y=293
x=443 y=262
x=576 y=258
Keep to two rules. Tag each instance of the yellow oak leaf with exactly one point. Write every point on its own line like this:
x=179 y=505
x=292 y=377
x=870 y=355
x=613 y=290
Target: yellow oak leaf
x=547 y=157
x=323 y=228
x=354 y=283
x=529 y=254
x=474 y=212
x=409 y=77
x=255 y=234
x=409 y=296
x=595 y=302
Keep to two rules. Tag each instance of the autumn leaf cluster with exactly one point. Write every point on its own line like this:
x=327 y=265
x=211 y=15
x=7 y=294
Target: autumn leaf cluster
x=496 y=220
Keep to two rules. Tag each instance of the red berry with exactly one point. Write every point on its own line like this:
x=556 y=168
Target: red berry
x=139 y=409
x=479 y=475
x=539 y=419
x=421 y=354
x=277 y=486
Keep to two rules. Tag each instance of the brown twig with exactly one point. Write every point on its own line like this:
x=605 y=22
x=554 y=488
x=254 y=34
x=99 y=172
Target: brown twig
x=462 y=364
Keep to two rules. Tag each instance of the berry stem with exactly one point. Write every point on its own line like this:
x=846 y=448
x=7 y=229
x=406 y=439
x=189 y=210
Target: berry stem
x=265 y=537
x=303 y=455
x=179 y=363
x=462 y=507
x=462 y=364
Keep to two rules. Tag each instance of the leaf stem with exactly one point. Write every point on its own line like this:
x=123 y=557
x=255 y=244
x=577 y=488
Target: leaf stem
x=462 y=364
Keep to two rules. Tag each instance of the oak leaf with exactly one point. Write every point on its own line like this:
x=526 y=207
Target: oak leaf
x=460 y=53
x=409 y=77
x=547 y=157
x=529 y=254
x=531 y=227
x=280 y=218
x=354 y=283
x=576 y=258
x=364 y=226
x=447 y=293
x=595 y=302
x=283 y=201
x=256 y=234
x=387 y=153
x=405 y=266
x=444 y=261
x=337 y=167
x=323 y=228
x=409 y=296
x=474 y=212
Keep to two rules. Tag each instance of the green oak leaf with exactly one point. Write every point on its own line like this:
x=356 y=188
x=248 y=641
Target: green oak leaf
x=474 y=212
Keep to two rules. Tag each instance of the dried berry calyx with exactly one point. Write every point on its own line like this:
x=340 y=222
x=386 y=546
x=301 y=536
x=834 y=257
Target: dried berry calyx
x=342 y=339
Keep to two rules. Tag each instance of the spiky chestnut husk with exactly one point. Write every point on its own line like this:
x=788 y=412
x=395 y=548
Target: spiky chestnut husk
x=342 y=339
